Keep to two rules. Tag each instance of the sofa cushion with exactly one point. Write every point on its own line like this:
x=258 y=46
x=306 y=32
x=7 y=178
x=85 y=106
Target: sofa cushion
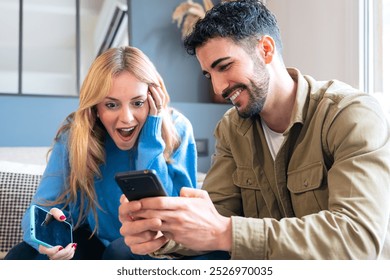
x=18 y=183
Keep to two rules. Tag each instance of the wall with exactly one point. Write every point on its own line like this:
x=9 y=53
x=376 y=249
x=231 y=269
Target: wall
x=32 y=120
x=321 y=38
x=154 y=32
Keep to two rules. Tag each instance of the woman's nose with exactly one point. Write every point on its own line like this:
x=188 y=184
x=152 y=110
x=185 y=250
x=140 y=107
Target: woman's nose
x=126 y=115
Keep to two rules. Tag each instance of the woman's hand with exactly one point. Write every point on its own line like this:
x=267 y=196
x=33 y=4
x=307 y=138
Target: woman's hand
x=58 y=252
x=156 y=99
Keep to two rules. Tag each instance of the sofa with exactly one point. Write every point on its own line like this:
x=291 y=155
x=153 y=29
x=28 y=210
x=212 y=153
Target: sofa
x=21 y=169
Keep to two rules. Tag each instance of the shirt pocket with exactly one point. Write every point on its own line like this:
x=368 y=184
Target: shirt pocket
x=245 y=179
x=308 y=188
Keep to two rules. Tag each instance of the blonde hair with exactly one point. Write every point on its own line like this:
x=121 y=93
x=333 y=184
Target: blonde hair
x=86 y=132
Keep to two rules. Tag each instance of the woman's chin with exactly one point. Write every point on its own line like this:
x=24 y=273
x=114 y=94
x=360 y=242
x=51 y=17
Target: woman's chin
x=124 y=143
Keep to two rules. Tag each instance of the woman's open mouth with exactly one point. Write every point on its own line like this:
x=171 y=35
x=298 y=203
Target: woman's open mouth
x=126 y=132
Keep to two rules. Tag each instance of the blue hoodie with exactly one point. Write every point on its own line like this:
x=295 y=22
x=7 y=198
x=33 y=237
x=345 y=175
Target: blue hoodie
x=147 y=155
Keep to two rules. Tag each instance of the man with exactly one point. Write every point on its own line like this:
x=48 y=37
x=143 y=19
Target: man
x=301 y=168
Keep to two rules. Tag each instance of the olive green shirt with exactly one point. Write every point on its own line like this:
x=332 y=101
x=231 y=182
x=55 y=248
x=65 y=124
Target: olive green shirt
x=326 y=195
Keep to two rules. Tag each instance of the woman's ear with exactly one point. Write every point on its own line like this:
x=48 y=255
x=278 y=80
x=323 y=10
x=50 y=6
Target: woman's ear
x=94 y=110
x=267 y=48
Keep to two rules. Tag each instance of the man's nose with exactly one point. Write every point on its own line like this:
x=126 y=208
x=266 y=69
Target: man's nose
x=219 y=84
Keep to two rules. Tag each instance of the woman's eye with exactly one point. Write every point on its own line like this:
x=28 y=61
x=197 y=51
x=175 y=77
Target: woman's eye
x=111 y=105
x=139 y=103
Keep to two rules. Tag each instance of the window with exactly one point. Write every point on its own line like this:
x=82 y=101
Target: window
x=375 y=43
x=386 y=46
x=375 y=46
x=50 y=45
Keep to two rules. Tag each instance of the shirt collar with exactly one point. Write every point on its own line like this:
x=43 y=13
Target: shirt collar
x=300 y=105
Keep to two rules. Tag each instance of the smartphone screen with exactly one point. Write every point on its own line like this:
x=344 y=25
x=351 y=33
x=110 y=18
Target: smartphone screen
x=140 y=184
x=47 y=231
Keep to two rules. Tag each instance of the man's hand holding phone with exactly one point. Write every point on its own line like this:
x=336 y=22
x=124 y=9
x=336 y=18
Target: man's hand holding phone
x=190 y=220
x=136 y=185
x=141 y=235
x=52 y=232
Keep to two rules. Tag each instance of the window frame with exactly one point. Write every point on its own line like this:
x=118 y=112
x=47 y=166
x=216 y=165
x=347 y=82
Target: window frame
x=371 y=72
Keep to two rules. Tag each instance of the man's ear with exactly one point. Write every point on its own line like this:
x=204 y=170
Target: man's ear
x=267 y=48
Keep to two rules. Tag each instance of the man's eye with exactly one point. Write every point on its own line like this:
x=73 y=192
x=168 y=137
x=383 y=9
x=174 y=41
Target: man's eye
x=207 y=75
x=139 y=103
x=225 y=66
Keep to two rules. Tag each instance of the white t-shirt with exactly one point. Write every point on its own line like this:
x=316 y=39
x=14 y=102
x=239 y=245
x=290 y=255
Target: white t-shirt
x=274 y=139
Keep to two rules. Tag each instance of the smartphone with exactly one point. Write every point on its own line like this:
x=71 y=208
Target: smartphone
x=140 y=184
x=47 y=231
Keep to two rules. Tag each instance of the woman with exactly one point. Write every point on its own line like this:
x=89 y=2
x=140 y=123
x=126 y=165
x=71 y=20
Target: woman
x=123 y=123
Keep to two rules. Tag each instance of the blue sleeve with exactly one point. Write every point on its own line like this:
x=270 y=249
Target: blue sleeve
x=51 y=185
x=182 y=170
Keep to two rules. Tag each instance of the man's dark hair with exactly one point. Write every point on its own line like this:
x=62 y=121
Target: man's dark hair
x=243 y=21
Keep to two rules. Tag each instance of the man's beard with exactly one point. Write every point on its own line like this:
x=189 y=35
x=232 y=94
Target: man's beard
x=257 y=91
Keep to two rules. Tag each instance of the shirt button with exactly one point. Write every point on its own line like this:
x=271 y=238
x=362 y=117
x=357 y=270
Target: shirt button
x=248 y=181
x=305 y=183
